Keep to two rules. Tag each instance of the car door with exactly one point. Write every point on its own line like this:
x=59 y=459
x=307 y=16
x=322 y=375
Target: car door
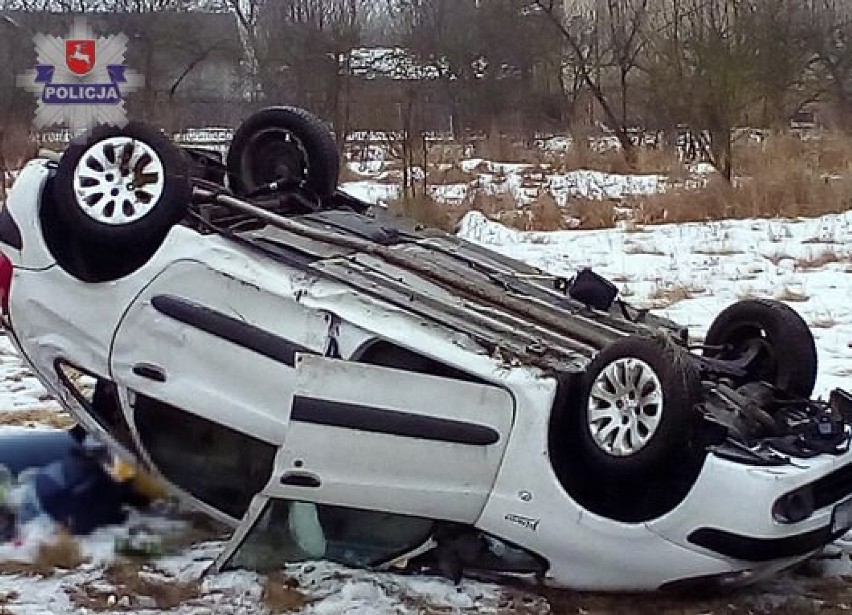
x=374 y=438
x=208 y=358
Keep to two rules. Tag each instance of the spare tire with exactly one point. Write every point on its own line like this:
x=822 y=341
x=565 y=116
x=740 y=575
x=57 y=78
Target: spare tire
x=787 y=356
x=285 y=145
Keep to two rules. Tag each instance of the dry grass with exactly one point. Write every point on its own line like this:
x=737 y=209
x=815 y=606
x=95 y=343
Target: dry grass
x=132 y=588
x=668 y=295
x=545 y=214
x=781 y=177
x=649 y=160
x=48 y=416
x=581 y=156
x=506 y=210
x=778 y=257
x=520 y=219
x=636 y=248
x=822 y=258
x=446 y=153
x=663 y=161
x=791 y=177
x=710 y=203
x=281 y=594
x=777 y=193
x=498 y=147
x=64 y=554
x=830 y=153
x=452 y=175
x=592 y=214
x=718 y=250
x=427 y=211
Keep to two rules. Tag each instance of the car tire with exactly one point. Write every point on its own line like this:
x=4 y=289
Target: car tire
x=98 y=203
x=638 y=409
x=283 y=144
x=788 y=356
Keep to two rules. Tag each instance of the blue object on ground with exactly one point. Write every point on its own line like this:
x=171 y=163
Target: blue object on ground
x=69 y=483
x=77 y=492
x=20 y=449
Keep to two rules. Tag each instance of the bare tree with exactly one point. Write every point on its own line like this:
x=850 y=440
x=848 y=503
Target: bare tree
x=625 y=42
x=583 y=55
x=786 y=65
x=703 y=67
x=831 y=43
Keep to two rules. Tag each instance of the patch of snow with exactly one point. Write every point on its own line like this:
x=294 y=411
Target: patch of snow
x=702 y=168
x=599 y=186
x=366 y=167
x=450 y=194
x=487 y=166
x=339 y=591
x=394 y=63
x=371 y=192
x=555 y=144
x=21 y=390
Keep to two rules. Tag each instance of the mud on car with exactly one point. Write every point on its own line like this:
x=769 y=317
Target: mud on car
x=335 y=383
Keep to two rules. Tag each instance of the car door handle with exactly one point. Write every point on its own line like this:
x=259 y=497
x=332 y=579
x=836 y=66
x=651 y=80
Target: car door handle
x=151 y=372
x=301 y=479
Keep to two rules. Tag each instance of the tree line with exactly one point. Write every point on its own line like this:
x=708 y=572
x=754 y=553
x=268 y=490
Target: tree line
x=523 y=66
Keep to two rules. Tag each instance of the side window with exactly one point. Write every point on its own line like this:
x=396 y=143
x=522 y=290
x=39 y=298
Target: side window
x=297 y=531
x=219 y=466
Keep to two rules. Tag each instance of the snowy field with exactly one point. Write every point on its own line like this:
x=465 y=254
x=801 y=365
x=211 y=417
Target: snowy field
x=523 y=182
x=686 y=272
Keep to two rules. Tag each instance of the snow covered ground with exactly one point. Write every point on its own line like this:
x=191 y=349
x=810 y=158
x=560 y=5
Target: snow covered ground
x=687 y=272
x=522 y=181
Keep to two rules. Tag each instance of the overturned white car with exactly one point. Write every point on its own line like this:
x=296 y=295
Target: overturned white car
x=336 y=384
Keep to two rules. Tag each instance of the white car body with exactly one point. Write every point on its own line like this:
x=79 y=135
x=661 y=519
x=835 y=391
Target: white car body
x=145 y=332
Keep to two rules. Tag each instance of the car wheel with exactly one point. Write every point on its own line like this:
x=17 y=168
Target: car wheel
x=787 y=356
x=637 y=408
x=283 y=144
x=121 y=187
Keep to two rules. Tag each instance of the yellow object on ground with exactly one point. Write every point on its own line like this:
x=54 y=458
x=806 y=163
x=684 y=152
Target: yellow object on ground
x=142 y=482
